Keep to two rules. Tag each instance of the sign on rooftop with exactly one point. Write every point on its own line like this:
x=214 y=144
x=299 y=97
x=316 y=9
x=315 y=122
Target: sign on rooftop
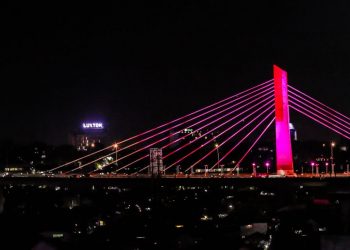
x=93 y=125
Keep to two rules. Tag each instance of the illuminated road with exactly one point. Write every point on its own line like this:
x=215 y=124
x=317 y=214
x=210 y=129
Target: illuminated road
x=176 y=176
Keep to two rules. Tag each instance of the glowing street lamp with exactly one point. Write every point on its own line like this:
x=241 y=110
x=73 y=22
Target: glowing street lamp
x=312 y=168
x=302 y=169
x=115 y=146
x=267 y=165
x=218 y=155
x=254 y=169
x=332 y=158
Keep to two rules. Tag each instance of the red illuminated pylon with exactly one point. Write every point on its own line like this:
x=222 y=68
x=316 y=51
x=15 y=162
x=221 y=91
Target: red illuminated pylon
x=284 y=157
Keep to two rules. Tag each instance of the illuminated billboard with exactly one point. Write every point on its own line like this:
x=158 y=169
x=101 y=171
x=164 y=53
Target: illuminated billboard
x=93 y=125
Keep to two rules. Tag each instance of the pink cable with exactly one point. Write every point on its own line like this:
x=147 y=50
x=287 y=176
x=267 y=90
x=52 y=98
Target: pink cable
x=193 y=118
x=208 y=132
x=324 y=105
x=214 y=139
x=294 y=103
x=245 y=137
x=197 y=111
x=313 y=118
x=163 y=125
x=318 y=107
x=266 y=103
x=167 y=137
x=254 y=143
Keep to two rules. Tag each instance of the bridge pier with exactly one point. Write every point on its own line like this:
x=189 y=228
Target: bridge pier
x=284 y=157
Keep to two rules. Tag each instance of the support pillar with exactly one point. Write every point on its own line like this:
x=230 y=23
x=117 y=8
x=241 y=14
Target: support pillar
x=284 y=157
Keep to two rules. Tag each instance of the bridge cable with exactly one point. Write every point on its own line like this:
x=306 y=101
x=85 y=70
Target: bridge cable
x=253 y=89
x=210 y=131
x=259 y=103
x=254 y=143
x=331 y=116
x=318 y=116
x=243 y=139
x=318 y=121
x=246 y=125
x=322 y=104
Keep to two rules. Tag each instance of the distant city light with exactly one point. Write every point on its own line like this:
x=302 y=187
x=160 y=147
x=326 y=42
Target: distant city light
x=206 y=218
x=93 y=125
x=188 y=130
x=57 y=235
x=101 y=223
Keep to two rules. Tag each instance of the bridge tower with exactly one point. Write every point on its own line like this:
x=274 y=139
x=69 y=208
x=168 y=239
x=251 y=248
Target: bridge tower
x=284 y=157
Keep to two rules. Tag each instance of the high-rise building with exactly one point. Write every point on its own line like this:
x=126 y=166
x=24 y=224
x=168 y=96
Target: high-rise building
x=293 y=132
x=88 y=136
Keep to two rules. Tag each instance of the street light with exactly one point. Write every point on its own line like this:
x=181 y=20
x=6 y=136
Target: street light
x=302 y=169
x=332 y=160
x=205 y=170
x=115 y=146
x=218 y=155
x=267 y=164
x=254 y=169
x=233 y=166
x=312 y=168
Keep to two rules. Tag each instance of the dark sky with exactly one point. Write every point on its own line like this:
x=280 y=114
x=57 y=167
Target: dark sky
x=136 y=65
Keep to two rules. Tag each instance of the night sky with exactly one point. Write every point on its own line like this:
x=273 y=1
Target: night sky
x=135 y=65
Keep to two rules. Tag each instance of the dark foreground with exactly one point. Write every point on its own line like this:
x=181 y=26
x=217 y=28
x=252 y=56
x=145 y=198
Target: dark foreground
x=286 y=213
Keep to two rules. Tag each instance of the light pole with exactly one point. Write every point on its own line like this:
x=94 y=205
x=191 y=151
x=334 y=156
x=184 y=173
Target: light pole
x=254 y=169
x=302 y=169
x=116 y=153
x=332 y=158
x=312 y=168
x=218 y=155
x=267 y=165
x=233 y=166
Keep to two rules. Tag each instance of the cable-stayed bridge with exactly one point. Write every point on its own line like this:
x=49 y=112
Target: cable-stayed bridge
x=215 y=139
